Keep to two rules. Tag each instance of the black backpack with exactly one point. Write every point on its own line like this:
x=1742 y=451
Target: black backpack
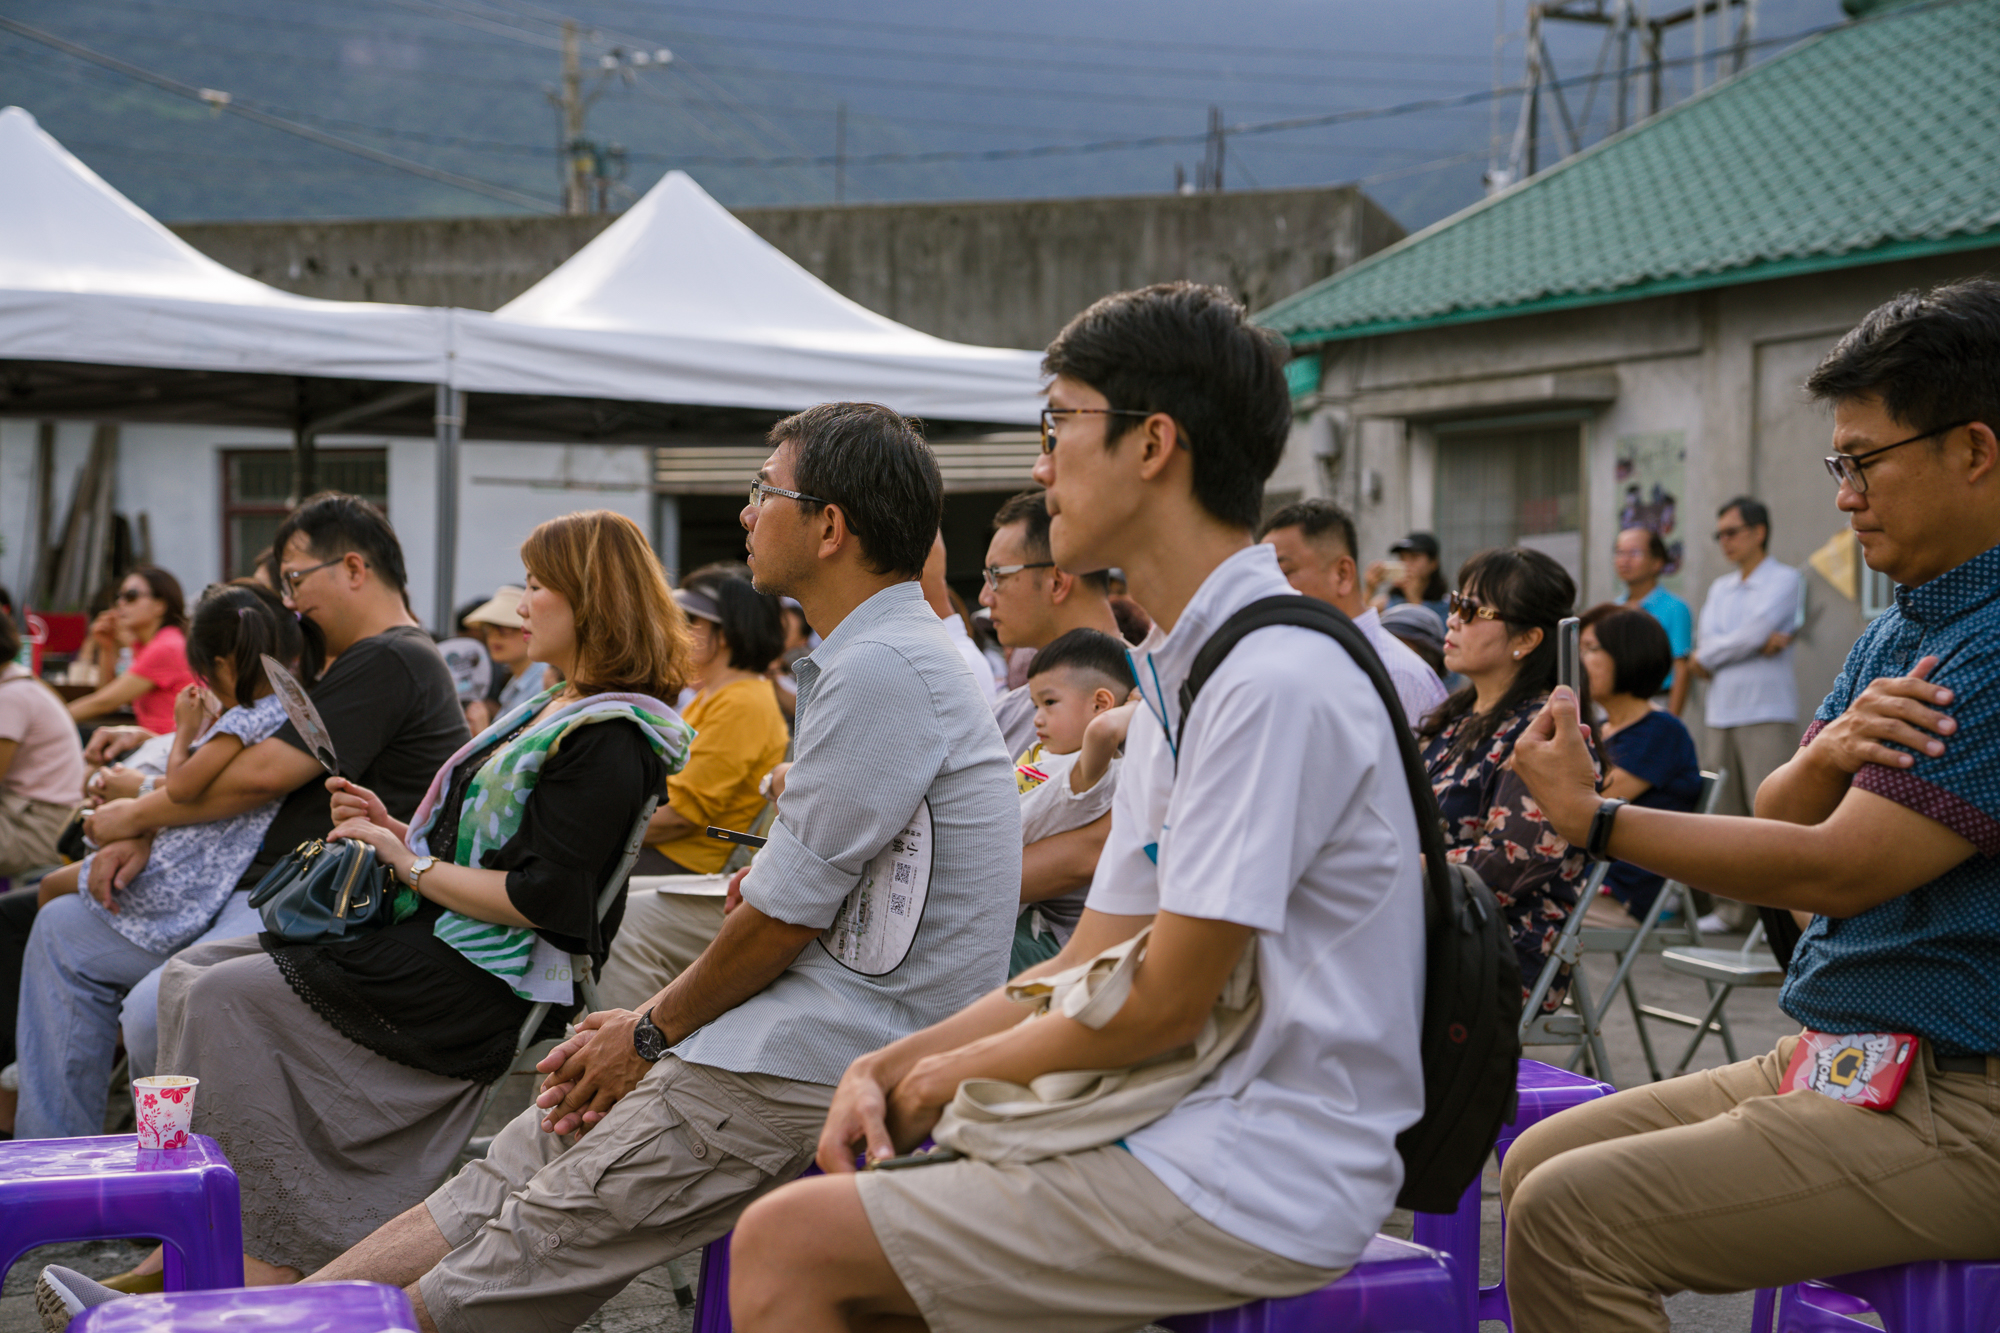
x=1471 y=1043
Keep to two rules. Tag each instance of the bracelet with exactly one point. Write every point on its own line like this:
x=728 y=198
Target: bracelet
x=1600 y=830
x=146 y=785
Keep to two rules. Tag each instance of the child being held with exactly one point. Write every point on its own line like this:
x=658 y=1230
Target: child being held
x=193 y=869
x=1080 y=684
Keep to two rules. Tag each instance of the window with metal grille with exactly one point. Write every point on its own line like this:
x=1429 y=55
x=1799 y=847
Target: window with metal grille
x=1502 y=487
x=257 y=488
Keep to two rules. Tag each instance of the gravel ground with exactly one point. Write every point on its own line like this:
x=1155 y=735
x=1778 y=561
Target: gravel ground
x=647 y=1305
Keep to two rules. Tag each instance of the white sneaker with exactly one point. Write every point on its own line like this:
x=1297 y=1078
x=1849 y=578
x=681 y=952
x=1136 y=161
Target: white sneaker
x=1712 y=925
x=61 y=1294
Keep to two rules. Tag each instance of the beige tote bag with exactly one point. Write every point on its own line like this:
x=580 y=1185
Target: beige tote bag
x=1074 y=1110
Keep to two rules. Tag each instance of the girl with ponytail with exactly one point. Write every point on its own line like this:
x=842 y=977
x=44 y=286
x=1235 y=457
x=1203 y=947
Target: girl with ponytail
x=70 y=1014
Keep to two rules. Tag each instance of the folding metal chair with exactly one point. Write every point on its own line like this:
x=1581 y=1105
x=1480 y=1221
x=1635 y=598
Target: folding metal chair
x=1655 y=934
x=1722 y=971
x=1578 y=1024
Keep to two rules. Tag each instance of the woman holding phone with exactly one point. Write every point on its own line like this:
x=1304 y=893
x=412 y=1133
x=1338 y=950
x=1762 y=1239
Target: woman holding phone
x=342 y=1077
x=1500 y=634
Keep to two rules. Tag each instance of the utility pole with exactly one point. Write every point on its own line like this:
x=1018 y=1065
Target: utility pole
x=588 y=170
x=1208 y=172
x=576 y=190
x=1621 y=21
x=840 y=154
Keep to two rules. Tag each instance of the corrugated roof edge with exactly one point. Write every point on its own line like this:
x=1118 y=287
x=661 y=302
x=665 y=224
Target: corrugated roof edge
x=1570 y=300
x=1762 y=271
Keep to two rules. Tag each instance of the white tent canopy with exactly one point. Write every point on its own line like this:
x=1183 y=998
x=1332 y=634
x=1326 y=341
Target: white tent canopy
x=86 y=276
x=679 y=302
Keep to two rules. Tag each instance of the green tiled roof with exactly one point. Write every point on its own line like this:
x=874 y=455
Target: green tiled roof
x=1878 y=140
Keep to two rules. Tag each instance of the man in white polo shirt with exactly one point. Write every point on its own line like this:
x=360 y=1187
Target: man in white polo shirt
x=1314 y=542
x=1277 y=819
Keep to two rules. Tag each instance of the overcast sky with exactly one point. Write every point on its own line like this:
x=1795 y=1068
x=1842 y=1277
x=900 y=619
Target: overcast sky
x=1008 y=95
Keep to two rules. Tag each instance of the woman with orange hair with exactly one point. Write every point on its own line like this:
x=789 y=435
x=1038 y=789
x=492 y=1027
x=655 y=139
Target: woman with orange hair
x=342 y=1077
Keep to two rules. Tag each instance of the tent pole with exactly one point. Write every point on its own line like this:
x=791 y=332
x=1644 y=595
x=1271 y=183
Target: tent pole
x=450 y=426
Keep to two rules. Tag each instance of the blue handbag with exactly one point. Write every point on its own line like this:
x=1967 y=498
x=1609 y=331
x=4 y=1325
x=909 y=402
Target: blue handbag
x=320 y=892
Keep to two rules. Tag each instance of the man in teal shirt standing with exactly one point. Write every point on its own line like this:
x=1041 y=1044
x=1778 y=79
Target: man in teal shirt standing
x=1639 y=556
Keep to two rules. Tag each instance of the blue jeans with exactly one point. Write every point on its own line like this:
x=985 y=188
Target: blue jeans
x=77 y=976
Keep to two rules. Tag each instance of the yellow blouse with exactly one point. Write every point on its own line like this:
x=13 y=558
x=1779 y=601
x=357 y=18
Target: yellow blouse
x=739 y=737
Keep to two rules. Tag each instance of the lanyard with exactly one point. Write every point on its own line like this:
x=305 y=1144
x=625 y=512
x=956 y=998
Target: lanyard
x=1159 y=712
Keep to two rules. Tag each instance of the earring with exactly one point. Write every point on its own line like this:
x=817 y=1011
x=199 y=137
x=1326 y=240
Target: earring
x=1517 y=654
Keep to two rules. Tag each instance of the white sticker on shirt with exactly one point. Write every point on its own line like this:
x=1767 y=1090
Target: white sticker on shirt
x=877 y=923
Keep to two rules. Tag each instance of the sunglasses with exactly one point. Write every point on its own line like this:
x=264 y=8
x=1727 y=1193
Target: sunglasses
x=1468 y=609
x=132 y=594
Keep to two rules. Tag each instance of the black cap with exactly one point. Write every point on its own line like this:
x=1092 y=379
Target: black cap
x=1420 y=542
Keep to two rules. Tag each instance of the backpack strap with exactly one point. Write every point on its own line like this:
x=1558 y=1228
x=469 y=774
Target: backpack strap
x=1311 y=613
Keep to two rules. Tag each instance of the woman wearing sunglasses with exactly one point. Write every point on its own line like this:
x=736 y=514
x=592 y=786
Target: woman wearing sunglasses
x=1500 y=634
x=149 y=616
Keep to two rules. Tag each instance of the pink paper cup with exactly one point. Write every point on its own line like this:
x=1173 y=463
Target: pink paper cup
x=163 y=1104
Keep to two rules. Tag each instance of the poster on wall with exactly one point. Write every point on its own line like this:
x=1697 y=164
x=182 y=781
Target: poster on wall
x=1652 y=473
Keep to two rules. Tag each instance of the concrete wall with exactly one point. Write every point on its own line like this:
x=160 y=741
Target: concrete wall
x=1722 y=367
x=1005 y=274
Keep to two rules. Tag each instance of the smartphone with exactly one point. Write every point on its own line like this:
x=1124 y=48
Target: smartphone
x=731 y=835
x=905 y=1162
x=1569 y=649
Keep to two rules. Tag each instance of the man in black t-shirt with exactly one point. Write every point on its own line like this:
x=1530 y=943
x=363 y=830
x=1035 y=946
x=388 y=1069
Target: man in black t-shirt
x=388 y=700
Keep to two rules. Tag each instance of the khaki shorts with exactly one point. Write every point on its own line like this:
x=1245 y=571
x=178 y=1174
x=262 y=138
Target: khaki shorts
x=1087 y=1243
x=28 y=833
x=543 y=1232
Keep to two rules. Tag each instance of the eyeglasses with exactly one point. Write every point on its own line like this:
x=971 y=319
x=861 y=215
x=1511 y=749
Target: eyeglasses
x=133 y=594
x=1049 y=415
x=293 y=578
x=1847 y=469
x=1468 y=608
x=994 y=573
x=758 y=490
x=1724 y=534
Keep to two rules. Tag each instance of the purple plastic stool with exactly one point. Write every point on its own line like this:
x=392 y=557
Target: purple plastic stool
x=1934 y=1296
x=1396 y=1287
x=1543 y=1091
x=314 y=1307
x=102 y=1188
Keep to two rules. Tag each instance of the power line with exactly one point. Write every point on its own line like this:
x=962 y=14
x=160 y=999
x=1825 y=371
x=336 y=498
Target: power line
x=223 y=102
x=1060 y=40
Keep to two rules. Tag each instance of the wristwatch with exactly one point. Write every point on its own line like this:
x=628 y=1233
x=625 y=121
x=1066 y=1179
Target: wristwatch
x=417 y=868
x=1596 y=847
x=649 y=1041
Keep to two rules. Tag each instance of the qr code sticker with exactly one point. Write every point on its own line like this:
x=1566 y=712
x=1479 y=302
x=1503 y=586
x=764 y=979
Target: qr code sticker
x=904 y=872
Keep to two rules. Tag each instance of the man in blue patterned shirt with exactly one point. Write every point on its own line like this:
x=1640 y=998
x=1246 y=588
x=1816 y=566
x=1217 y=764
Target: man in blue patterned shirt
x=1884 y=827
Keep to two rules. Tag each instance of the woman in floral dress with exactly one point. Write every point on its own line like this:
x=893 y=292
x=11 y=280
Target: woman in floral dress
x=1500 y=634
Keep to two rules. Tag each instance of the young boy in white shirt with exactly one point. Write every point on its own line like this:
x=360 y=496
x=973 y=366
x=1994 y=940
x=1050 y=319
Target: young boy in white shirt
x=1080 y=683
x=1275 y=816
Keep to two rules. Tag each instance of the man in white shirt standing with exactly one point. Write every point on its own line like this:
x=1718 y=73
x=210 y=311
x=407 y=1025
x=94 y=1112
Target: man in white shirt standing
x=1743 y=649
x=1277 y=818
x=1314 y=541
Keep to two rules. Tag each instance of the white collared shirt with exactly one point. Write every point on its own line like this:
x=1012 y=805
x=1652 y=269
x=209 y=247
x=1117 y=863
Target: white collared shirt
x=1290 y=814
x=1416 y=684
x=1738 y=617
